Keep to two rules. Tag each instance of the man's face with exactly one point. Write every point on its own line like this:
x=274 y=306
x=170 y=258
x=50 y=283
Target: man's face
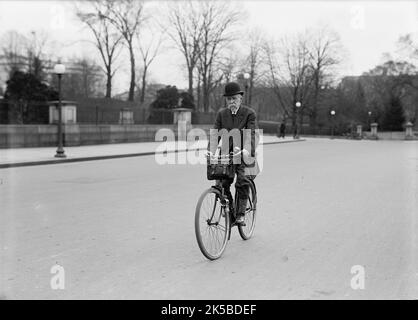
x=234 y=101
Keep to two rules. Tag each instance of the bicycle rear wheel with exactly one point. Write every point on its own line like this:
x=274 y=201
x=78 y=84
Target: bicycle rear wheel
x=211 y=224
x=246 y=232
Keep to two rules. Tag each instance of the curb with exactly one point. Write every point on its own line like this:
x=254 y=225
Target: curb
x=115 y=156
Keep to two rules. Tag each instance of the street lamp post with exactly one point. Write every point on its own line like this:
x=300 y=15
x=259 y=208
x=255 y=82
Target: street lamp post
x=332 y=123
x=368 y=119
x=246 y=77
x=59 y=70
x=296 y=131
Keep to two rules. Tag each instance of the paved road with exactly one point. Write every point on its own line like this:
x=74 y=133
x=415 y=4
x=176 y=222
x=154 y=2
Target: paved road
x=123 y=228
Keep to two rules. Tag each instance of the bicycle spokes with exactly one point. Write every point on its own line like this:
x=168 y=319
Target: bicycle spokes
x=212 y=224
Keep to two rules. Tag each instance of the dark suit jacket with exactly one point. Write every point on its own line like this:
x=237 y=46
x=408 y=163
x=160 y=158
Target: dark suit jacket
x=244 y=119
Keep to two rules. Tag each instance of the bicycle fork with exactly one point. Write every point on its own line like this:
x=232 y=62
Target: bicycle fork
x=225 y=209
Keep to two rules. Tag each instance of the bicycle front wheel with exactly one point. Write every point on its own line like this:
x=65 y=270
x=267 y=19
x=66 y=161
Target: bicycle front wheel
x=211 y=224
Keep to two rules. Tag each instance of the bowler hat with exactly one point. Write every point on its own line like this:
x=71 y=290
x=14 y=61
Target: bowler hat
x=232 y=88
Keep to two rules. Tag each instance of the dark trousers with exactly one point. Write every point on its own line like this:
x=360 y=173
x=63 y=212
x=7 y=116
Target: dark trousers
x=242 y=185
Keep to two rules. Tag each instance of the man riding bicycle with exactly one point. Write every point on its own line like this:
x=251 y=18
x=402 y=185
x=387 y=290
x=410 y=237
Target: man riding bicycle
x=236 y=117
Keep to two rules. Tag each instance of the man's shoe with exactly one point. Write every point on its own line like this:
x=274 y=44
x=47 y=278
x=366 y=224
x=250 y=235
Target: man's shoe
x=240 y=220
x=242 y=205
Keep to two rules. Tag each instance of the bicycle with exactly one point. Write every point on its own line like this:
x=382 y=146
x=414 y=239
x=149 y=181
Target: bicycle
x=213 y=219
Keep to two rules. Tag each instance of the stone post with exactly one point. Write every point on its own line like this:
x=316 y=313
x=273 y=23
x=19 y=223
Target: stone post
x=68 y=112
x=126 y=116
x=182 y=122
x=359 y=131
x=409 y=135
x=373 y=127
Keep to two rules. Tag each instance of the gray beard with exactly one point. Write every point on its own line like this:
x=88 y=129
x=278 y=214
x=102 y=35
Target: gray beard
x=233 y=108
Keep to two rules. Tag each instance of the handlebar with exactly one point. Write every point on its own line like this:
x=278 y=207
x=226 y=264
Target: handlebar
x=224 y=156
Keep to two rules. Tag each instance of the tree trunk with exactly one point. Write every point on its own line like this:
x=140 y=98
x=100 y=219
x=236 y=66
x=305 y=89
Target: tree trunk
x=205 y=94
x=132 y=84
x=191 y=83
x=109 y=84
x=85 y=85
x=199 y=102
x=205 y=99
x=313 y=118
x=300 y=121
x=294 y=119
x=250 y=93
x=144 y=75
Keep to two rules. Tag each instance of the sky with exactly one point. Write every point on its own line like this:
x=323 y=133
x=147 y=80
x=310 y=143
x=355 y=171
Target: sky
x=367 y=30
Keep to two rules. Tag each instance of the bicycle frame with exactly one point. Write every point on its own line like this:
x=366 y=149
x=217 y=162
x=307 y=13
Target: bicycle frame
x=224 y=203
x=218 y=186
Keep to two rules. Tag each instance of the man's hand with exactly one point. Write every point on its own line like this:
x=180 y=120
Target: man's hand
x=245 y=155
x=237 y=151
x=209 y=154
x=237 y=154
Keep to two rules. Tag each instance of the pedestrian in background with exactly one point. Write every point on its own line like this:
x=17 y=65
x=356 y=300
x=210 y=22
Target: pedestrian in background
x=282 y=130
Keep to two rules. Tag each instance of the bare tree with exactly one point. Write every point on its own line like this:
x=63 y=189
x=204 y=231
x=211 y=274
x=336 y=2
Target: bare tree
x=300 y=74
x=83 y=79
x=254 y=60
x=148 y=53
x=325 y=54
x=290 y=74
x=224 y=70
x=36 y=54
x=228 y=66
x=107 y=39
x=25 y=53
x=218 y=18
x=127 y=16
x=13 y=55
x=186 y=32
x=393 y=80
x=275 y=80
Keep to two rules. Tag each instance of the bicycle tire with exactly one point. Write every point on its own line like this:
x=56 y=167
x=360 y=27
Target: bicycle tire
x=201 y=217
